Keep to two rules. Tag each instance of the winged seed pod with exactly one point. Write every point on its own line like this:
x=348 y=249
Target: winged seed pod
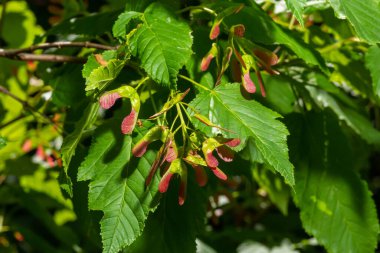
x=215 y=29
x=247 y=82
x=167 y=153
x=154 y=134
x=238 y=30
x=175 y=167
x=108 y=99
x=197 y=163
x=209 y=56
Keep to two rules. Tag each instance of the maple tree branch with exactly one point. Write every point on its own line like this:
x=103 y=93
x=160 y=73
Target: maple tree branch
x=25 y=54
x=45 y=57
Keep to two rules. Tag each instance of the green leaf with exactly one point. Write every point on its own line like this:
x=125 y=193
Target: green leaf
x=355 y=120
x=117 y=185
x=94 y=24
x=174 y=228
x=3 y=142
x=71 y=141
x=261 y=28
x=225 y=106
x=279 y=93
x=297 y=7
x=119 y=28
x=104 y=75
x=68 y=89
x=373 y=64
x=363 y=15
x=334 y=202
x=251 y=153
x=162 y=43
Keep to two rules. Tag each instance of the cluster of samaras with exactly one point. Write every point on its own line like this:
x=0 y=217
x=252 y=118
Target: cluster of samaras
x=248 y=55
x=198 y=152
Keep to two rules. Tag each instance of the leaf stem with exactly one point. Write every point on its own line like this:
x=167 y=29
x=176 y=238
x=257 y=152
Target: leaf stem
x=189 y=8
x=141 y=82
x=194 y=82
x=183 y=124
x=153 y=104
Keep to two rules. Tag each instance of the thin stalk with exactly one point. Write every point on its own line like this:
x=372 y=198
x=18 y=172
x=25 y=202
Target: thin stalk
x=142 y=82
x=183 y=124
x=194 y=82
x=189 y=8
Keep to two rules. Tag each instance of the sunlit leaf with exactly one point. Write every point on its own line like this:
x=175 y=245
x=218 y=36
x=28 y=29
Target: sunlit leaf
x=163 y=44
x=363 y=15
x=117 y=185
x=226 y=107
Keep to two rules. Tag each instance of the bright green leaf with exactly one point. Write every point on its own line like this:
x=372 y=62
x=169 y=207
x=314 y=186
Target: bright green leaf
x=363 y=15
x=117 y=185
x=297 y=7
x=89 y=66
x=162 y=43
x=225 y=106
x=334 y=202
x=373 y=64
x=104 y=75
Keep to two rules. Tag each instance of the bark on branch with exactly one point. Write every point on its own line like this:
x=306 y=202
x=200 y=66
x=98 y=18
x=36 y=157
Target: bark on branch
x=25 y=54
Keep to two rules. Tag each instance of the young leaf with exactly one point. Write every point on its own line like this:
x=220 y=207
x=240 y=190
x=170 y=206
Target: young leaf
x=162 y=43
x=334 y=202
x=104 y=75
x=117 y=185
x=363 y=15
x=226 y=107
